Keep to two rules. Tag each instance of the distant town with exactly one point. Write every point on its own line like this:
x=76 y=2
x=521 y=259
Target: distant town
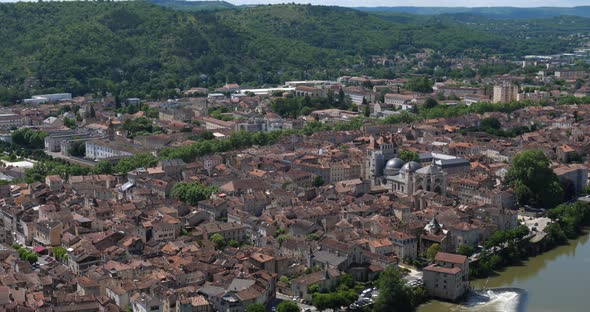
x=227 y=198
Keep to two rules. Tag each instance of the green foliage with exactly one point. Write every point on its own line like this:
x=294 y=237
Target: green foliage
x=218 y=113
x=555 y=234
x=288 y=306
x=103 y=167
x=59 y=252
x=403 y=117
x=191 y=193
x=297 y=106
x=29 y=138
x=77 y=148
x=218 y=240
x=514 y=249
x=25 y=254
x=569 y=221
x=140 y=126
x=48 y=166
x=408 y=156
x=476 y=108
x=420 y=84
x=570 y=100
x=533 y=181
x=284 y=279
x=31 y=257
x=502 y=237
x=490 y=123
x=432 y=251
x=144 y=160
x=313 y=289
x=430 y=103
x=134 y=48
x=206 y=135
x=395 y=295
x=256 y=307
x=234 y=141
x=318 y=181
x=334 y=300
x=70 y=123
x=492 y=126
x=466 y=250
x=366 y=111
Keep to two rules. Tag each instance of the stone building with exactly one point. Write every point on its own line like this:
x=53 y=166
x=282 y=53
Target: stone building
x=448 y=277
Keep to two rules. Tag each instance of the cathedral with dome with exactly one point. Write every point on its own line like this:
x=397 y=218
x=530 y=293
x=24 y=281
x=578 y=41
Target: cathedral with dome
x=386 y=169
x=407 y=178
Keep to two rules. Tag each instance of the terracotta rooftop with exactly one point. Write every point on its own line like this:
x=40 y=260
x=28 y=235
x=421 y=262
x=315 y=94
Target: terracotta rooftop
x=448 y=257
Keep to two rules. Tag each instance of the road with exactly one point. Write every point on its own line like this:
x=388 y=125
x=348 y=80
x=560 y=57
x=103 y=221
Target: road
x=74 y=160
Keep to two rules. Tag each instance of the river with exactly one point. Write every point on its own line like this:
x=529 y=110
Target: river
x=555 y=281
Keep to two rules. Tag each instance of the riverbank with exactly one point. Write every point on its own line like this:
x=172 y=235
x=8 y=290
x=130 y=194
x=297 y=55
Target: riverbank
x=506 y=248
x=551 y=281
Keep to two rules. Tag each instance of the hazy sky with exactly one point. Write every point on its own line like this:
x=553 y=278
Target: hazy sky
x=439 y=3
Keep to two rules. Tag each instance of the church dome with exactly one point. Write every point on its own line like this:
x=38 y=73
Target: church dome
x=394 y=163
x=392 y=166
x=411 y=166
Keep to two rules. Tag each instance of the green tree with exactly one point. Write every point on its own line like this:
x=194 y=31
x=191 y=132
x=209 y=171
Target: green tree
x=103 y=167
x=218 y=240
x=533 y=181
x=70 y=123
x=256 y=307
x=77 y=148
x=408 y=156
x=394 y=294
x=420 y=84
x=432 y=251
x=92 y=112
x=59 y=252
x=140 y=126
x=430 y=103
x=465 y=250
x=31 y=257
x=287 y=306
x=366 y=111
x=191 y=193
x=318 y=181
x=144 y=160
x=206 y=135
x=29 y=138
x=490 y=123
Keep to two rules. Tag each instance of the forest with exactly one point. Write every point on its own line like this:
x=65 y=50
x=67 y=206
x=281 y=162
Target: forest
x=140 y=49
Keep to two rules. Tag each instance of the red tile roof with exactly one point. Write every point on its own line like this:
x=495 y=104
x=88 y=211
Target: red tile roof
x=448 y=257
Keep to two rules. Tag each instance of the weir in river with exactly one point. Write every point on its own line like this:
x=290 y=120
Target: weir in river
x=556 y=280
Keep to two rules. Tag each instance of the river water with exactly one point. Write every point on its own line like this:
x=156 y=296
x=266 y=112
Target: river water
x=555 y=281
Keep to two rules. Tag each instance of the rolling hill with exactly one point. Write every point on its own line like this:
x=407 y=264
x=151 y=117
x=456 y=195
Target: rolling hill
x=137 y=48
x=489 y=12
x=194 y=6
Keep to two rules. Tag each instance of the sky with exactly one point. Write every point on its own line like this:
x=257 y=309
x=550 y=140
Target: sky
x=435 y=3
x=438 y=3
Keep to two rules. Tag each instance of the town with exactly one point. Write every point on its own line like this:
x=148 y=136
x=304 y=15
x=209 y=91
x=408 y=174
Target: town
x=223 y=199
